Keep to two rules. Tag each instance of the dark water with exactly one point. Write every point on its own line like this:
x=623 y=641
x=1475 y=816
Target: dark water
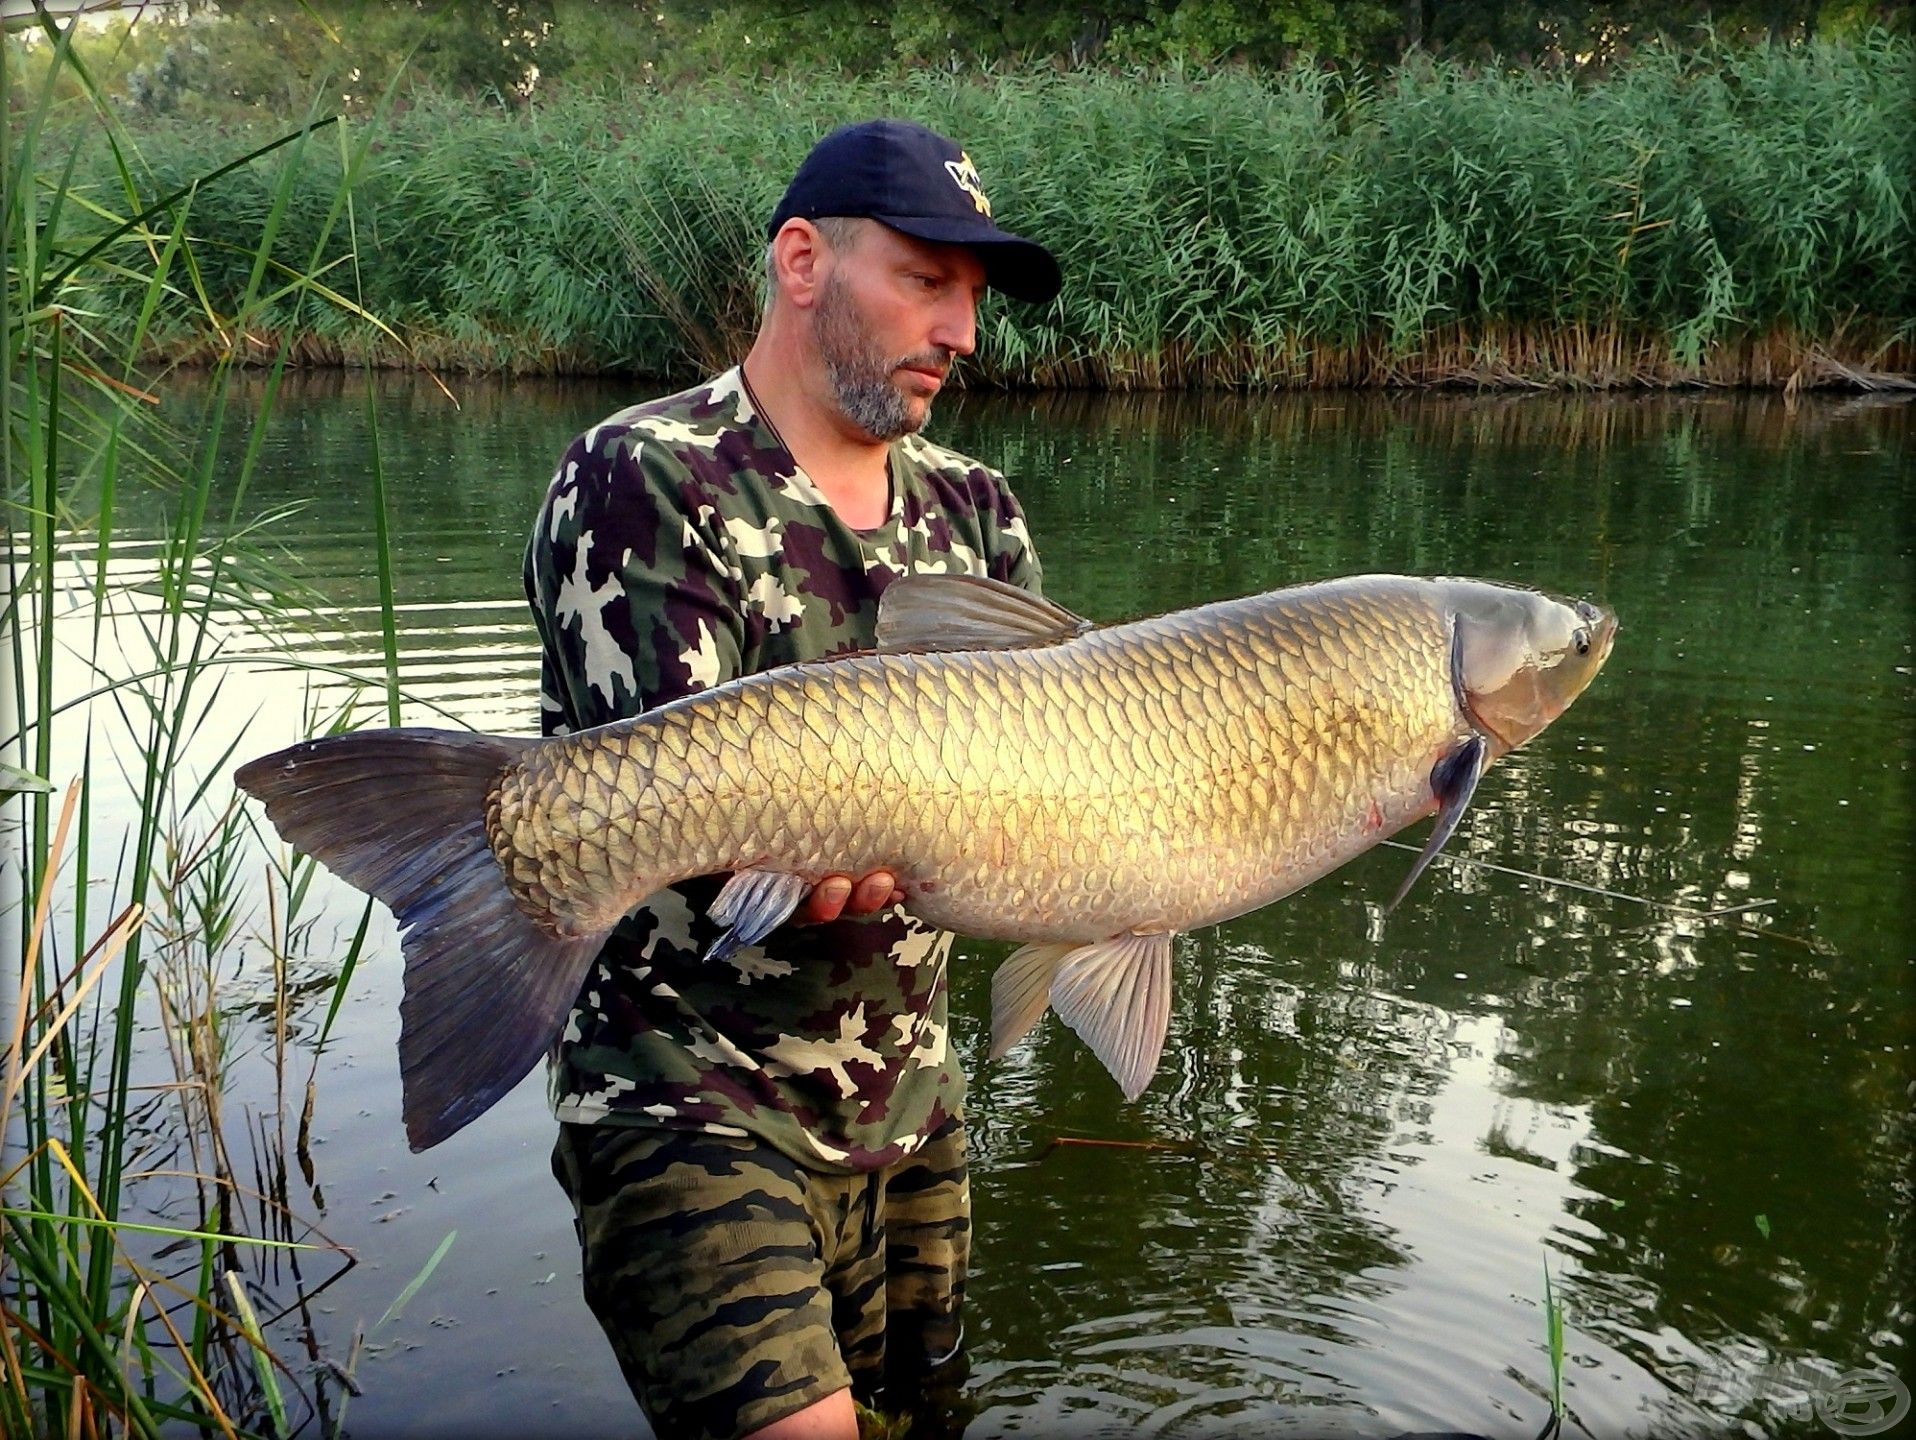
x=1333 y=1211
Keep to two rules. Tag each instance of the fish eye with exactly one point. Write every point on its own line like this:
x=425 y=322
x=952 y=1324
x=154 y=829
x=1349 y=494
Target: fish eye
x=1580 y=638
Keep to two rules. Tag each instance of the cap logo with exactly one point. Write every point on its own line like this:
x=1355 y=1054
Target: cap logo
x=965 y=175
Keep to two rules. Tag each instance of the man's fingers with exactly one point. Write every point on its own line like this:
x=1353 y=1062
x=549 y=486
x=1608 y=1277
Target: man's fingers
x=838 y=895
x=826 y=902
x=873 y=893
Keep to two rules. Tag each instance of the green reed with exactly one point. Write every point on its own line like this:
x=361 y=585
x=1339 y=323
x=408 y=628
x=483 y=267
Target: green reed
x=1721 y=214
x=1553 y=1345
x=112 y=669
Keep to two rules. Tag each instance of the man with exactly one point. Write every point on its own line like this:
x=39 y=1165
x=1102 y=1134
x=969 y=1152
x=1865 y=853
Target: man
x=766 y=1152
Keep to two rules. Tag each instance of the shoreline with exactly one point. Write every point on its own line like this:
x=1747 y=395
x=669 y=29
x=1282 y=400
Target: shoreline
x=1501 y=359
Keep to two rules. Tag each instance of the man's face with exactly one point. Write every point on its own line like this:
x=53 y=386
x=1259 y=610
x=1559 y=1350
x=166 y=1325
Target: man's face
x=892 y=314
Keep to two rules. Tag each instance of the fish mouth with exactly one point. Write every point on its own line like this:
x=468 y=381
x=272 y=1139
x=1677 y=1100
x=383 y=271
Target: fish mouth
x=1608 y=625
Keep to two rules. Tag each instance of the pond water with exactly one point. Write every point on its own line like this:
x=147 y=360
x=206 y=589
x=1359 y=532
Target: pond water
x=1651 y=1030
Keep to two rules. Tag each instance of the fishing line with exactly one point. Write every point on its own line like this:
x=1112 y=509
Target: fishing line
x=1688 y=912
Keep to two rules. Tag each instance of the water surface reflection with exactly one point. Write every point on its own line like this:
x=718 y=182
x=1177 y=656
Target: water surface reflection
x=1332 y=1211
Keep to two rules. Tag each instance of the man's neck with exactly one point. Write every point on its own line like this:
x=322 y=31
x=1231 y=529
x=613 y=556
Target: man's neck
x=848 y=467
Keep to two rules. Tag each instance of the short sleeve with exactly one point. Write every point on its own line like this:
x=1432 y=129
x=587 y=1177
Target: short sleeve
x=630 y=588
x=1010 y=555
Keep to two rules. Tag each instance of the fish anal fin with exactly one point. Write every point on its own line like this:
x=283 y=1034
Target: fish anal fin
x=1453 y=779
x=1020 y=990
x=1117 y=995
x=968 y=612
x=751 y=905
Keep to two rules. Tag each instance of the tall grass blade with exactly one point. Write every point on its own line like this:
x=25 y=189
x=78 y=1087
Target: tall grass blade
x=418 y=1282
x=382 y=548
x=1553 y=1337
x=262 y=1356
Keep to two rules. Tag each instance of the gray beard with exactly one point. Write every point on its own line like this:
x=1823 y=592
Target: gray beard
x=860 y=378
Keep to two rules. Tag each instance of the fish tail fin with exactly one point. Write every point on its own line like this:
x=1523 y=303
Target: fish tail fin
x=402 y=815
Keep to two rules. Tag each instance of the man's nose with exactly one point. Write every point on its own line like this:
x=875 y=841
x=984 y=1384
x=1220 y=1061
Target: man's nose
x=957 y=328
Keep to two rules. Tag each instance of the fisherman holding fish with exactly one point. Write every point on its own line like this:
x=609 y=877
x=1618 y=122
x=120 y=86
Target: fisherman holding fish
x=796 y=669
x=767 y=1152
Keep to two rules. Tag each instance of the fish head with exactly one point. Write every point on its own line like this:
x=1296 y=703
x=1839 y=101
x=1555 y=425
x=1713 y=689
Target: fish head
x=1520 y=657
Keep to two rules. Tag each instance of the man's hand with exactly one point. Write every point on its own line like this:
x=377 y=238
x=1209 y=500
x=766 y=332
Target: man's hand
x=839 y=895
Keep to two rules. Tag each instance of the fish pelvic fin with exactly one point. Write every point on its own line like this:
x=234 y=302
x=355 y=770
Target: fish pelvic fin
x=1117 y=995
x=1453 y=780
x=751 y=905
x=1021 y=989
x=969 y=612
x=402 y=815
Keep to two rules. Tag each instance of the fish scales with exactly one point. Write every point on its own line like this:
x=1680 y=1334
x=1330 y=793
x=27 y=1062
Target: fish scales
x=1127 y=778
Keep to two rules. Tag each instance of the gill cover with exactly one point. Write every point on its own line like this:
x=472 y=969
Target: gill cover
x=1522 y=656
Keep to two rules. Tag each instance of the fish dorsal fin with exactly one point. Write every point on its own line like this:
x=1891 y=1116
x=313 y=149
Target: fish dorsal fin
x=968 y=612
x=1117 y=995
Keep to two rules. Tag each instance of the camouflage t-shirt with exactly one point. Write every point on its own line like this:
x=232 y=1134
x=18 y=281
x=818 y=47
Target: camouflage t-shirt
x=679 y=546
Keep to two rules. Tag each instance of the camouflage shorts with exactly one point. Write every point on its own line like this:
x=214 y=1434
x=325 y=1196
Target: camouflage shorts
x=737 y=1286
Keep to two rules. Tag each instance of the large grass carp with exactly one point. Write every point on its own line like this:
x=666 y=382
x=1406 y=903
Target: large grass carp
x=1091 y=791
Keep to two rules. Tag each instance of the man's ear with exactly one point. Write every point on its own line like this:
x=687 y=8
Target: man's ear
x=801 y=259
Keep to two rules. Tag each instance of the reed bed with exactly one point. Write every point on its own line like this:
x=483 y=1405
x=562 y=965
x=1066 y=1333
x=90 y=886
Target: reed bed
x=150 y=1244
x=1726 y=215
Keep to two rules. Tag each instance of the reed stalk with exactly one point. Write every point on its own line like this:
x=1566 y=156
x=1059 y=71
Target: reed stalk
x=124 y=897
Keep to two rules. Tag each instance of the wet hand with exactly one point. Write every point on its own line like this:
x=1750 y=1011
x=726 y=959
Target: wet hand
x=839 y=896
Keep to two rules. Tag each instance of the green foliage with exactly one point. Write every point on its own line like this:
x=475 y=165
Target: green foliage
x=268 y=58
x=1214 y=225
x=1208 y=31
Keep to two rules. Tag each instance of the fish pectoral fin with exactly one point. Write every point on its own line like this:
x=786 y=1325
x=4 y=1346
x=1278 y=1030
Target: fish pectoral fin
x=968 y=612
x=1020 y=990
x=1117 y=995
x=751 y=905
x=1453 y=780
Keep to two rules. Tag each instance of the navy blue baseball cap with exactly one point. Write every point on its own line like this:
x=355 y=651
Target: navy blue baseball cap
x=920 y=183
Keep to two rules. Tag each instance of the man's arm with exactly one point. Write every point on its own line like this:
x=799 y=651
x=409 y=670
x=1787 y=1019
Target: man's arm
x=632 y=596
x=1006 y=539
